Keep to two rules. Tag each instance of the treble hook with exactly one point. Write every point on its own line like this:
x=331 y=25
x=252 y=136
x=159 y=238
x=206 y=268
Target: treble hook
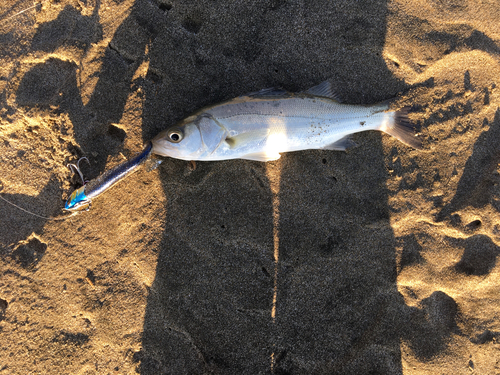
x=77 y=168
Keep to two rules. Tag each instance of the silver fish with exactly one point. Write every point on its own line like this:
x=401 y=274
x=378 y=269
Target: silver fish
x=261 y=125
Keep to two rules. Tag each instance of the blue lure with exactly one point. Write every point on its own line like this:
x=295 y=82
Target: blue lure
x=81 y=198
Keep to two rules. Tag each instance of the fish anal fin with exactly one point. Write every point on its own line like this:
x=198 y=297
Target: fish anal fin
x=262 y=156
x=324 y=89
x=341 y=145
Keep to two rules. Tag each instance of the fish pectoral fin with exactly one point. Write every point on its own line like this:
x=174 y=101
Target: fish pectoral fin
x=243 y=139
x=250 y=138
x=341 y=145
x=324 y=89
x=262 y=156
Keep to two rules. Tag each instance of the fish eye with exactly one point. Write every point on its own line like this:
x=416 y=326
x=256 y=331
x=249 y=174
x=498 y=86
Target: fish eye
x=175 y=135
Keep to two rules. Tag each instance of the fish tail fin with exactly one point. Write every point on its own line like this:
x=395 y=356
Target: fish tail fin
x=399 y=126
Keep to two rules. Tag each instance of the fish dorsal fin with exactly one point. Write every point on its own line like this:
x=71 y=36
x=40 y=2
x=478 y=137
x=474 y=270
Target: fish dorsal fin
x=324 y=89
x=241 y=140
x=262 y=156
x=272 y=91
x=341 y=145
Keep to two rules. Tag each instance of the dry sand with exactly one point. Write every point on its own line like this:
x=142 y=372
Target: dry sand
x=379 y=260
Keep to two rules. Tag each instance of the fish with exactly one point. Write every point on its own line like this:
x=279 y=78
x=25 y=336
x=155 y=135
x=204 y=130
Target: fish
x=262 y=125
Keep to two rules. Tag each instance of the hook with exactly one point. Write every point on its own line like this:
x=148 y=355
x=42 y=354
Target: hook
x=77 y=168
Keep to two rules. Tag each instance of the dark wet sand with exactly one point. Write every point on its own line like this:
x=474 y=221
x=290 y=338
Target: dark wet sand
x=378 y=260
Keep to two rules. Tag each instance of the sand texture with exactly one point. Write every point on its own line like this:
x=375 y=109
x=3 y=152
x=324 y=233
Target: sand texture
x=378 y=260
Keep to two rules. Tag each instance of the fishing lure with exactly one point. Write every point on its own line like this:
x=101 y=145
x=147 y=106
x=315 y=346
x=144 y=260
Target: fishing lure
x=81 y=199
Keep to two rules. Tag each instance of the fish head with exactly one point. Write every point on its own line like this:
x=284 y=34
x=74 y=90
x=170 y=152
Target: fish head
x=181 y=141
x=191 y=139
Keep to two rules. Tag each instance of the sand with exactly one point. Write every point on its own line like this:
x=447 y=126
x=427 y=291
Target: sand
x=378 y=260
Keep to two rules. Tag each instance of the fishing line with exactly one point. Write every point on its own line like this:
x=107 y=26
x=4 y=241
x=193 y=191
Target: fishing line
x=22 y=11
x=32 y=213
